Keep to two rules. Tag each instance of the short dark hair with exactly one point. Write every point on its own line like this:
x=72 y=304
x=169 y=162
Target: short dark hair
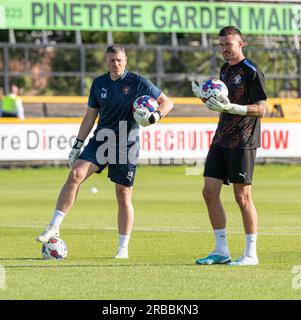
x=229 y=30
x=115 y=48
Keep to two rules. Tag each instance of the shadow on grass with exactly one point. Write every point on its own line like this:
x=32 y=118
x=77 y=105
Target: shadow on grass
x=57 y=263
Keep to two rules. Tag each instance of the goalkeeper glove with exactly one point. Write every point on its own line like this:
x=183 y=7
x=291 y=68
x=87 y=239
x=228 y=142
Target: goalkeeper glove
x=226 y=106
x=74 y=153
x=144 y=120
x=196 y=88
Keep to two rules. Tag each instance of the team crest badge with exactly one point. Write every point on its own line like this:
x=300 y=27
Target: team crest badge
x=237 y=79
x=126 y=90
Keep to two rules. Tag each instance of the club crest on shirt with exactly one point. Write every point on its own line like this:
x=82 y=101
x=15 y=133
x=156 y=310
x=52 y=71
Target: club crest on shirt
x=126 y=90
x=237 y=79
x=103 y=93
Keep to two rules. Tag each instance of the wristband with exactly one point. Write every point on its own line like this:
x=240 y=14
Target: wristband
x=78 y=144
x=238 y=109
x=155 y=117
x=160 y=114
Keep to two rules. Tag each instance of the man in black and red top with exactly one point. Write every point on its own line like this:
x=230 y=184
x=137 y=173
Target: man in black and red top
x=232 y=154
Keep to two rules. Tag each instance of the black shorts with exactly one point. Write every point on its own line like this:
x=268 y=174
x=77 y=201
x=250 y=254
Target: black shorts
x=230 y=165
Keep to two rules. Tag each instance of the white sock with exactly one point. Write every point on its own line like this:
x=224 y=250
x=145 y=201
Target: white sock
x=57 y=218
x=221 y=242
x=124 y=240
x=251 y=245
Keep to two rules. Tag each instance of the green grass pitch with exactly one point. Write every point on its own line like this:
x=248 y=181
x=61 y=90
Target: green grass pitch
x=171 y=230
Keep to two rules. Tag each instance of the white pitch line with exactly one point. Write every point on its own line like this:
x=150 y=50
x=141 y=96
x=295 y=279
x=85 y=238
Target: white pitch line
x=167 y=229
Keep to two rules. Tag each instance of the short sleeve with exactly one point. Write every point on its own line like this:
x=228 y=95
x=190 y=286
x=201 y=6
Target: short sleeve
x=92 y=101
x=257 y=86
x=146 y=87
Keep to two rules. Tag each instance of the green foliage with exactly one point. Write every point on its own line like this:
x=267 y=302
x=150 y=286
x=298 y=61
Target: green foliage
x=66 y=60
x=95 y=60
x=171 y=68
x=96 y=37
x=3 y=35
x=63 y=86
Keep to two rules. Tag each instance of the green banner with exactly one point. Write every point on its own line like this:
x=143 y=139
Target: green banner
x=150 y=16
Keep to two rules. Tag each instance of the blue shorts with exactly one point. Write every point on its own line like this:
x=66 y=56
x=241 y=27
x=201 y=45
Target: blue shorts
x=121 y=167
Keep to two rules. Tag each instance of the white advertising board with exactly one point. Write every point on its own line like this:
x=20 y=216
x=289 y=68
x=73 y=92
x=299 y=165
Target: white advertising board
x=52 y=141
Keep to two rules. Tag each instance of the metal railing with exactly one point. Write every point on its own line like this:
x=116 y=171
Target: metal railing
x=281 y=66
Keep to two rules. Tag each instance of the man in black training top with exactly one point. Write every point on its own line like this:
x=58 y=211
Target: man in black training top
x=231 y=156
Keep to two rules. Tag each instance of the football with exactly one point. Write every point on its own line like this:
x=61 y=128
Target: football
x=143 y=107
x=213 y=88
x=55 y=248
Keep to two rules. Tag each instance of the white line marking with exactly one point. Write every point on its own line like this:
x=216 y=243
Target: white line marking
x=167 y=229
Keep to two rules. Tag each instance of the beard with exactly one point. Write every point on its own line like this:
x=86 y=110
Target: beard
x=228 y=56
